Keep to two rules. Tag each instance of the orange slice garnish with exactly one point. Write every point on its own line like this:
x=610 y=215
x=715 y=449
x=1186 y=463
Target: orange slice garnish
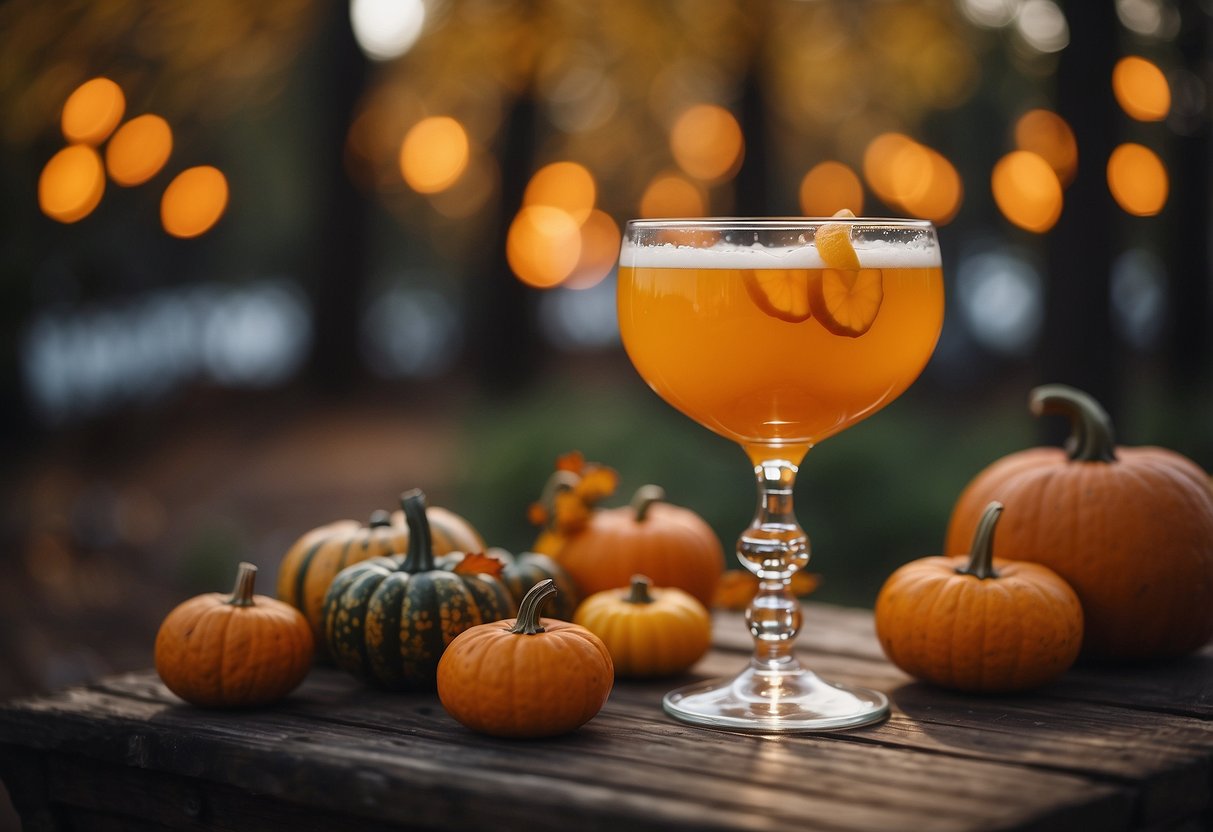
x=846 y=301
x=783 y=293
x=846 y=298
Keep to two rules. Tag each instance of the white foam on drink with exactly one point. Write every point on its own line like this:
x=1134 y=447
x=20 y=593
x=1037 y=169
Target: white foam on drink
x=873 y=254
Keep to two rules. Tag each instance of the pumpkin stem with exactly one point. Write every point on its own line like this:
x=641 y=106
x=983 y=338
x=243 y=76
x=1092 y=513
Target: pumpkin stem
x=981 y=557
x=644 y=497
x=527 y=623
x=379 y=518
x=420 y=556
x=640 y=590
x=242 y=593
x=560 y=480
x=1090 y=437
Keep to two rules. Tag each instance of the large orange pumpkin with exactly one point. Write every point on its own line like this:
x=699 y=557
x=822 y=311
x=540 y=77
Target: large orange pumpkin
x=673 y=546
x=1131 y=529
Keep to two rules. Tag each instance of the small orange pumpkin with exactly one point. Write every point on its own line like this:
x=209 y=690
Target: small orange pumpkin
x=1131 y=529
x=978 y=624
x=650 y=632
x=525 y=677
x=238 y=650
x=670 y=544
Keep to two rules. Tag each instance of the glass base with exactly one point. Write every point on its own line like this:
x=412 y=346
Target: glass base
x=782 y=702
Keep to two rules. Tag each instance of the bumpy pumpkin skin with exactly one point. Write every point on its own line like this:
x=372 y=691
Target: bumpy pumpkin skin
x=216 y=654
x=510 y=684
x=309 y=566
x=1132 y=536
x=672 y=545
x=648 y=631
x=388 y=620
x=1011 y=633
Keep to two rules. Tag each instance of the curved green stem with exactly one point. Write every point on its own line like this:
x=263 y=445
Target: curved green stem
x=242 y=593
x=981 y=553
x=380 y=518
x=640 y=590
x=527 y=623
x=420 y=557
x=644 y=497
x=1090 y=437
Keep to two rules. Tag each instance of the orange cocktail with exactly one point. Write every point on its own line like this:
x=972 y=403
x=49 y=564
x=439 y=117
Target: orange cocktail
x=778 y=334
x=708 y=331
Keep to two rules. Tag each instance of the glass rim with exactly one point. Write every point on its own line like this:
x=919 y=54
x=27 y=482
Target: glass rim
x=774 y=223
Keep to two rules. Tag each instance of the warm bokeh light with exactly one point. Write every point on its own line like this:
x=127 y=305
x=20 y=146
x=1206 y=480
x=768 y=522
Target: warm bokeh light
x=475 y=188
x=92 y=111
x=1049 y=136
x=434 y=154
x=138 y=150
x=1027 y=191
x=194 y=201
x=600 y=239
x=1138 y=180
x=564 y=185
x=707 y=143
x=913 y=178
x=891 y=162
x=829 y=187
x=939 y=198
x=71 y=184
x=1141 y=89
x=543 y=245
x=672 y=195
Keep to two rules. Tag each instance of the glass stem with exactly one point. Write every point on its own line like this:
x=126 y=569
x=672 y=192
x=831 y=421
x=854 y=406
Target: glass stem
x=774 y=547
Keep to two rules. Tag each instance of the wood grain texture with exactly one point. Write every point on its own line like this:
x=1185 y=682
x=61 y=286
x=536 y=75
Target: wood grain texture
x=1100 y=750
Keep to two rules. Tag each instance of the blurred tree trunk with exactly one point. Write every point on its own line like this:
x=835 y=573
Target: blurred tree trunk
x=1079 y=346
x=337 y=278
x=752 y=185
x=503 y=331
x=1189 y=349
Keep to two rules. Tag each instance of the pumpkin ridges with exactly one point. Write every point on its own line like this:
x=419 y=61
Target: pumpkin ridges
x=381 y=629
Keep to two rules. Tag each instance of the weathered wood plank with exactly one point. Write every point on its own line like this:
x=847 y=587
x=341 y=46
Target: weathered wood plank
x=1181 y=686
x=625 y=767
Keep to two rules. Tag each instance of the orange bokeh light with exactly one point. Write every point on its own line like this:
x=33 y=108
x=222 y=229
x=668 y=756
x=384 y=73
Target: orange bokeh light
x=564 y=185
x=1027 y=191
x=829 y=187
x=1049 y=136
x=672 y=195
x=194 y=201
x=434 y=154
x=138 y=150
x=1138 y=180
x=71 y=184
x=912 y=177
x=600 y=239
x=92 y=111
x=707 y=143
x=1141 y=89
x=543 y=245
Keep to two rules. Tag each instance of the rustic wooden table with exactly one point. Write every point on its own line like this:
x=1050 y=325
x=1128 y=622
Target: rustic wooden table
x=1100 y=750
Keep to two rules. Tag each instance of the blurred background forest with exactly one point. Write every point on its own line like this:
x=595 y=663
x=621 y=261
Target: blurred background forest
x=265 y=265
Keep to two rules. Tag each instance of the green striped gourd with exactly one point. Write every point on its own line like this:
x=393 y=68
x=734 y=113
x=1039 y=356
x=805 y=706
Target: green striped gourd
x=388 y=620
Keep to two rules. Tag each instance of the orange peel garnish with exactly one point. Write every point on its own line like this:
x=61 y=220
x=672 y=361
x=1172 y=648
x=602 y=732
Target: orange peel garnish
x=833 y=241
x=847 y=298
x=783 y=293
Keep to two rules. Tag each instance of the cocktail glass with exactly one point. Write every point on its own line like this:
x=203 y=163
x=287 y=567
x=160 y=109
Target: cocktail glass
x=778 y=334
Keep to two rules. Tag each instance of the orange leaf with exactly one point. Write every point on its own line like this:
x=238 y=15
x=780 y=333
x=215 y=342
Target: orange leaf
x=572 y=461
x=537 y=514
x=597 y=483
x=570 y=512
x=478 y=563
